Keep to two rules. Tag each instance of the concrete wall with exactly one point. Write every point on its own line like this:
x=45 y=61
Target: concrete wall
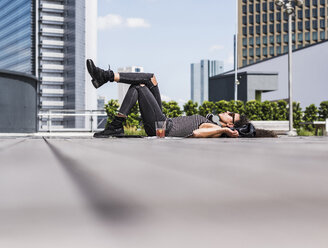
x=18 y=102
x=310 y=83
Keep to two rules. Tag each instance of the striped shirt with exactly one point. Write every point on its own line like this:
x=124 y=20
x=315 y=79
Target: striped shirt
x=184 y=126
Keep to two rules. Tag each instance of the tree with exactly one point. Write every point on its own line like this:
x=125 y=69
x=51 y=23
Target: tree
x=111 y=110
x=310 y=115
x=206 y=108
x=190 y=108
x=171 y=109
x=323 y=110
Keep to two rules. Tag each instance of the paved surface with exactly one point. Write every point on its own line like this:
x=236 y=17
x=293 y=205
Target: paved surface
x=155 y=193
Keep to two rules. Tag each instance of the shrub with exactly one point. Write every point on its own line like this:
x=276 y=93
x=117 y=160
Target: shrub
x=280 y=114
x=133 y=119
x=253 y=110
x=206 y=108
x=323 y=111
x=171 y=109
x=222 y=106
x=237 y=107
x=310 y=114
x=297 y=114
x=190 y=108
x=266 y=111
x=111 y=110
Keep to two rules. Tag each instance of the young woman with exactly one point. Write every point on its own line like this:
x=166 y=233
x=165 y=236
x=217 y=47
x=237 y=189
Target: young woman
x=144 y=89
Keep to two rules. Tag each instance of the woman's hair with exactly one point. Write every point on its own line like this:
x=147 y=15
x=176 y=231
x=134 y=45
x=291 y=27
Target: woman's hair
x=260 y=133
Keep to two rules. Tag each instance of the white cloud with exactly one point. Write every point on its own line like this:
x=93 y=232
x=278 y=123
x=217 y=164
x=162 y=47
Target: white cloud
x=114 y=21
x=216 y=48
x=137 y=23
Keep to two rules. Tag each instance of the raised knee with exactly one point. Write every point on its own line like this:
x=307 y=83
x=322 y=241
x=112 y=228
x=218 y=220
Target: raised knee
x=154 y=81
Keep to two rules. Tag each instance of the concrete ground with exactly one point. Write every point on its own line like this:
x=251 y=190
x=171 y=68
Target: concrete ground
x=162 y=193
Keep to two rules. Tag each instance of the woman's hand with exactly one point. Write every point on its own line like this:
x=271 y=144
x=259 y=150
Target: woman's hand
x=231 y=133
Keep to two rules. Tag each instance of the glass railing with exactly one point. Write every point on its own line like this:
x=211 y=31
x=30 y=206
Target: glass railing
x=68 y=120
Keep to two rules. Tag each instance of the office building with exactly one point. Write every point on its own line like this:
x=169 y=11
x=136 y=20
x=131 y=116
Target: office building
x=199 y=75
x=263 y=28
x=51 y=39
x=123 y=88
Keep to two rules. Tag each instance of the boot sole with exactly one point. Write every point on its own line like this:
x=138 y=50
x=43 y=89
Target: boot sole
x=90 y=66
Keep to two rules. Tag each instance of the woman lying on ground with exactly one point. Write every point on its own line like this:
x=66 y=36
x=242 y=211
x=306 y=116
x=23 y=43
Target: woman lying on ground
x=144 y=89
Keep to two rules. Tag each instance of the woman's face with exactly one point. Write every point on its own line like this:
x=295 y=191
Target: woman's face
x=229 y=118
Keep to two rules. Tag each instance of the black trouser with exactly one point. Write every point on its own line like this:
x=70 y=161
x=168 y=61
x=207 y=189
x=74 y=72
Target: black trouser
x=148 y=96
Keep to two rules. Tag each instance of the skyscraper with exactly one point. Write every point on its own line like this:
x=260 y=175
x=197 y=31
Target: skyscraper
x=263 y=28
x=51 y=39
x=123 y=88
x=200 y=73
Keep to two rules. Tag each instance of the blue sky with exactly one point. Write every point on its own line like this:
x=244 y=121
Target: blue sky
x=165 y=37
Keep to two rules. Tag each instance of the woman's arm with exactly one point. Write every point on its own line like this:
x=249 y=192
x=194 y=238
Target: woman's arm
x=213 y=131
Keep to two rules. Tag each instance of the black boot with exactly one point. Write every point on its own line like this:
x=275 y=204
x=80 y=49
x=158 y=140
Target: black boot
x=99 y=76
x=114 y=129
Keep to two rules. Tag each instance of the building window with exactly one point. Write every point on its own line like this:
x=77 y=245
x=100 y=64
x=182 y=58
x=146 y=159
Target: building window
x=251 y=19
x=251 y=41
x=265 y=29
x=271 y=28
x=314 y=2
x=315 y=36
x=265 y=40
x=300 y=14
x=307 y=25
x=285 y=49
x=322 y=35
x=271 y=38
x=271 y=17
x=251 y=8
x=244 y=30
x=286 y=27
x=307 y=13
x=322 y=23
x=314 y=13
x=278 y=26
x=251 y=30
x=286 y=38
x=315 y=24
x=265 y=18
x=271 y=6
x=251 y=52
x=244 y=20
x=258 y=29
x=258 y=19
x=272 y=51
x=258 y=52
x=245 y=52
x=244 y=41
x=264 y=6
x=244 y=62
x=251 y=61
x=300 y=37
x=322 y=2
x=307 y=3
x=278 y=50
x=265 y=51
x=278 y=38
x=322 y=12
x=285 y=16
x=278 y=16
x=258 y=7
x=307 y=36
x=244 y=9
x=258 y=40
x=300 y=26
x=299 y=46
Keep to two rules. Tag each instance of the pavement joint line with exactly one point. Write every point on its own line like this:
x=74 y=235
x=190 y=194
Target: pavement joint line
x=11 y=145
x=101 y=205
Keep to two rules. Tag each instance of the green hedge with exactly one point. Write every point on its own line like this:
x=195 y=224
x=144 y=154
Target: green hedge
x=255 y=110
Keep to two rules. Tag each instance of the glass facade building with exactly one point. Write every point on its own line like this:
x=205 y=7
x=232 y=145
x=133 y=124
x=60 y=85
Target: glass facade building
x=17 y=35
x=263 y=21
x=200 y=73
